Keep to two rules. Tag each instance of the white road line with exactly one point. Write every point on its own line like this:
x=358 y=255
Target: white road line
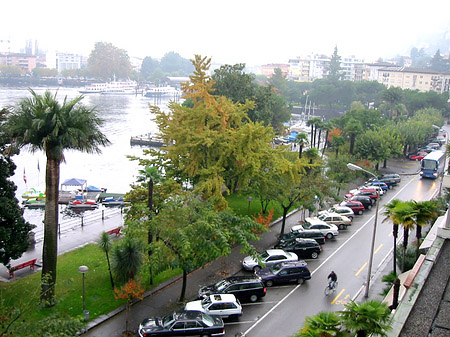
x=321 y=265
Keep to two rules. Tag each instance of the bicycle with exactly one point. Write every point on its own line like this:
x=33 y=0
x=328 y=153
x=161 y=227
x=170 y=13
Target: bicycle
x=330 y=288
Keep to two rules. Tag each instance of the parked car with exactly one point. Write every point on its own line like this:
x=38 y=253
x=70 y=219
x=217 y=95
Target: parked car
x=391 y=182
x=267 y=258
x=308 y=248
x=417 y=155
x=245 y=288
x=434 y=146
x=356 y=206
x=342 y=210
x=441 y=139
x=394 y=176
x=284 y=272
x=330 y=231
x=286 y=239
x=182 y=323
x=377 y=188
x=371 y=193
x=223 y=305
x=341 y=221
x=377 y=183
x=365 y=200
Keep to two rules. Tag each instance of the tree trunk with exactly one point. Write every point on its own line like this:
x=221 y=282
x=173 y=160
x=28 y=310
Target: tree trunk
x=149 y=233
x=109 y=269
x=300 y=150
x=50 y=245
x=395 y=235
x=325 y=143
x=352 y=143
x=395 y=294
x=283 y=223
x=183 y=286
x=418 y=237
x=405 y=245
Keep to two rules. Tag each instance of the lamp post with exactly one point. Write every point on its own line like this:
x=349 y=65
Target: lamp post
x=83 y=270
x=354 y=167
x=249 y=201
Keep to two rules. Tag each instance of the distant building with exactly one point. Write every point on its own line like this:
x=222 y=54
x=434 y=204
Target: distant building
x=269 y=69
x=64 y=61
x=411 y=78
x=26 y=62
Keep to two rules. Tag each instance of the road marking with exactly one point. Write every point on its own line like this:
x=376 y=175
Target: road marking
x=346 y=296
x=339 y=295
x=390 y=234
x=361 y=269
x=379 y=247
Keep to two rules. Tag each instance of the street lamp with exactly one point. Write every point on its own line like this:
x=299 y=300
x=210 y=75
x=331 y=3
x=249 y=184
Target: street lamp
x=249 y=201
x=83 y=270
x=354 y=167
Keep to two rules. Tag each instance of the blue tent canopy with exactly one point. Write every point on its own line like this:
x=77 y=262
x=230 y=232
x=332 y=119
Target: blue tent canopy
x=74 y=182
x=91 y=188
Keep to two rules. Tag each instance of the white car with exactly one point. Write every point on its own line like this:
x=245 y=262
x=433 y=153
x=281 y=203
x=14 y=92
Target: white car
x=342 y=210
x=330 y=231
x=268 y=258
x=341 y=221
x=223 y=305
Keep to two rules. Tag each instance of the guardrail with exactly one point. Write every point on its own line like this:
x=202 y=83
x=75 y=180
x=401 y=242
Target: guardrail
x=86 y=218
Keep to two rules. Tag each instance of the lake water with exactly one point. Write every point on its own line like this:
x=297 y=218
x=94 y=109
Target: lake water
x=124 y=116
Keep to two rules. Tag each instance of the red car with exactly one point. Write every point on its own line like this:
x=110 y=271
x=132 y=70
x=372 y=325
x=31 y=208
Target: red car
x=356 y=206
x=418 y=156
x=372 y=193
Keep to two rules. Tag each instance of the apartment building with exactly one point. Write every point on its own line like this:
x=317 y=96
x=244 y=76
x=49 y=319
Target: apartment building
x=411 y=78
x=64 y=61
x=353 y=68
x=26 y=62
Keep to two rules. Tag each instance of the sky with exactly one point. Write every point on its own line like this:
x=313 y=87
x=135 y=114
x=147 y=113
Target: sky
x=254 y=32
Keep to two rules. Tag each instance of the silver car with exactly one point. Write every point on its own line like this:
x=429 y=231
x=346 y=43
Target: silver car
x=223 y=305
x=268 y=258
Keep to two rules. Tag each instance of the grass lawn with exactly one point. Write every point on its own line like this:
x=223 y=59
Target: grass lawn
x=24 y=292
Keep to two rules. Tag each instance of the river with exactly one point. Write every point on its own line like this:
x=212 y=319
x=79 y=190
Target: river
x=124 y=116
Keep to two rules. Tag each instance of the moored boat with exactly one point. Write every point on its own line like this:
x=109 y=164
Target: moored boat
x=82 y=204
x=147 y=140
x=34 y=203
x=166 y=91
x=113 y=88
x=33 y=194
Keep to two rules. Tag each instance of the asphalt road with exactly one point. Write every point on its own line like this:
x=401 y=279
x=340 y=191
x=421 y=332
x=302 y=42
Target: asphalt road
x=284 y=308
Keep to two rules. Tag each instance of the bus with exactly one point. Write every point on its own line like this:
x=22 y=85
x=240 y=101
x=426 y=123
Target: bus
x=432 y=165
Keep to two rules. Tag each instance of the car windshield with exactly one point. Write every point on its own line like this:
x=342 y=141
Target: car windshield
x=322 y=216
x=206 y=301
x=275 y=268
x=307 y=224
x=264 y=255
x=168 y=320
x=207 y=320
x=429 y=164
x=221 y=285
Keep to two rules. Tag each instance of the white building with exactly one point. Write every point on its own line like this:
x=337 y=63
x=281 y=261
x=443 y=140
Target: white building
x=63 y=61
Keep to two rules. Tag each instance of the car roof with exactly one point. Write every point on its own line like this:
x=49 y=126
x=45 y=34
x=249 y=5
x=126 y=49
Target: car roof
x=188 y=314
x=276 y=252
x=299 y=263
x=305 y=240
x=242 y=278
x=222 y=298
x=315 y=221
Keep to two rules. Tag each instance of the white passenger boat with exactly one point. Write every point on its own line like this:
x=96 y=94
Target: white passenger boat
x=113 y=88
x=166 y=91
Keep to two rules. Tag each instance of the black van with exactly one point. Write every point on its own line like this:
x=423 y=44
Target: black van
x=286 y=239
x=245 y=288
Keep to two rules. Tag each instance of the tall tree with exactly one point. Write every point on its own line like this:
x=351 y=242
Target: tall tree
x=108 y=62
x=425 y=213
x=231 y=81
x=105 y=244
x=173 y=64
x=14 y=230
x=438 y=63
x=279 y=82
x=301 y=139
x=352 y=129
x=43 y=124
x=393 y=102
x=335 y=69
x=126 y=259
x=212 y=144
x=390 y=213
x=149 y=65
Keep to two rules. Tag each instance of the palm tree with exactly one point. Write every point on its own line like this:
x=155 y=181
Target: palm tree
x=127 y=259
x=367 y=318
x=313 y=122
x=301 y=139
x=337 y=142
x=352 y=129
x=406 y=215
x=105 y=244
x=391 y=215
x=327 y=126
x=43 y=124
x=324 y=324
x=426 y=212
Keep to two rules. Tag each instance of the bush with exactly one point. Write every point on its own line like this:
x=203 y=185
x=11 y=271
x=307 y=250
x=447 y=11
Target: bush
x=410 y=257
x=389 y=280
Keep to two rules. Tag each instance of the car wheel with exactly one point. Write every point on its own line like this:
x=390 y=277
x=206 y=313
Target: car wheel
x=256 y=268
x=341 y=226
x=360 y=212
x=253 y=298
x=269 y=283
x=329 y=236
x=314 y=255
x=350 y=217
x=300 y=281
x=390 y=187
x=369 y=207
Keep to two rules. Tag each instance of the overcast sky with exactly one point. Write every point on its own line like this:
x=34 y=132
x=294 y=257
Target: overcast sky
x=249 y=31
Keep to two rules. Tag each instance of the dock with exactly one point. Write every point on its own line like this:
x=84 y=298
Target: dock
x=147 y=140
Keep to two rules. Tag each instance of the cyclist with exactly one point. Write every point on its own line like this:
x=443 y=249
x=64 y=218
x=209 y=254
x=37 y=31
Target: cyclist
x=332 y=277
